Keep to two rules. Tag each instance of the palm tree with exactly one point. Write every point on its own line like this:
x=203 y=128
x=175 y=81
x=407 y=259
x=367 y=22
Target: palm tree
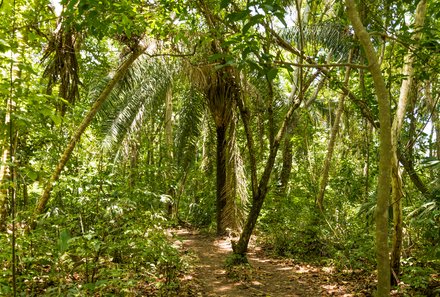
x=146 y=90
x=220 y=92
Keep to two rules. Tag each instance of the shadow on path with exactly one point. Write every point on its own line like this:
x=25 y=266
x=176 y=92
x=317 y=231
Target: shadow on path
x=266 y=277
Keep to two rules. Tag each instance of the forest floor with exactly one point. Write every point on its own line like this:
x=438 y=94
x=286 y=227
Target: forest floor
x=264 y=276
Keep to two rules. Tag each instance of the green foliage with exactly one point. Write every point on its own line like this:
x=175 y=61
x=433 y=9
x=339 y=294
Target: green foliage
x=422 y=278
x=122 y=244
x=103 y=232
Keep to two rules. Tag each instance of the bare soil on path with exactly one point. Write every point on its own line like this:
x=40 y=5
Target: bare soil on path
x=263 y=277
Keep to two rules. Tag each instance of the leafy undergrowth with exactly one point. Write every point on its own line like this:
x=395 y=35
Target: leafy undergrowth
x=128 y=257
x=353 y=269
x=121 y=254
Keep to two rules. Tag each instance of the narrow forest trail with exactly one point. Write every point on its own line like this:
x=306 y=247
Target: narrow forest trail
x=267 y=277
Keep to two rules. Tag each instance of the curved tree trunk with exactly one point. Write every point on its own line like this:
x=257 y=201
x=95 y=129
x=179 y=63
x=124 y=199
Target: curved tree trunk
x=397 y=187
x=385 y=152
x=119 y=74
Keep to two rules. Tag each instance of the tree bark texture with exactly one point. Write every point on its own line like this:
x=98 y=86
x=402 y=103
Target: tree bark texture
x=385 y=152
x=169 y=148
x=169 y=121
x=222 y=198
x=119 y=74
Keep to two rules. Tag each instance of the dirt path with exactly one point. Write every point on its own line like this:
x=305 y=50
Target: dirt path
x=266 y=277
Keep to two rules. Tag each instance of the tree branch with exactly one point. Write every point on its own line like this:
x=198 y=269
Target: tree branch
x=351 y=65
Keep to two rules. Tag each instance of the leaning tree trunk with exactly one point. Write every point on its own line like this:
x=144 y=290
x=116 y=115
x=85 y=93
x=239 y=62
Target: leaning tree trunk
x=385 y=152
x=259 y=189
x=119 y=74
x=397 y=187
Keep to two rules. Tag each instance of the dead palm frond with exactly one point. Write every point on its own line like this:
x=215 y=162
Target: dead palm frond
x=62 y=66
x=219 y=89
x=237 y=182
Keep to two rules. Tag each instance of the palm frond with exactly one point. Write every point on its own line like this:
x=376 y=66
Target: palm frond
x=424 y=210
x=330 y=35
x=140 y=94
x=189 y=127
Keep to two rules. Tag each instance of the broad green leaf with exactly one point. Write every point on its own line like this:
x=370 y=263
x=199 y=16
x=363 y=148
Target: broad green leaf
x=238 y=16
x=272 y=73
x=63 y=243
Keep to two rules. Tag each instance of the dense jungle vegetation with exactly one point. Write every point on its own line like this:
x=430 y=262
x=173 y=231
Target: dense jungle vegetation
x=309 y=128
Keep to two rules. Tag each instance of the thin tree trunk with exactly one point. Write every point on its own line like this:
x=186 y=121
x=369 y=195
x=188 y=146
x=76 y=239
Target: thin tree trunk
x=287 y=146
x=435 y=118
x=287 y=162
x=259 y=189
x=397 y=187
x=332 y=141
x=119 y=74
x=169 y=121
x=169 y=144
x=368 y=132
x=3 y=189
x=385 y=152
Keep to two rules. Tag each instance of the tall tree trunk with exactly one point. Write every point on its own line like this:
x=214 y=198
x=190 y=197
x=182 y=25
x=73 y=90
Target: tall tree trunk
x=332 y=141
x=119 y=74
x=4 y=189
x=221 y=94
x=287 y=143
x=385 y=152
x=397 y=187
x=286 y=168
x=169 y=146
x=222 y=191
x=368 y=132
